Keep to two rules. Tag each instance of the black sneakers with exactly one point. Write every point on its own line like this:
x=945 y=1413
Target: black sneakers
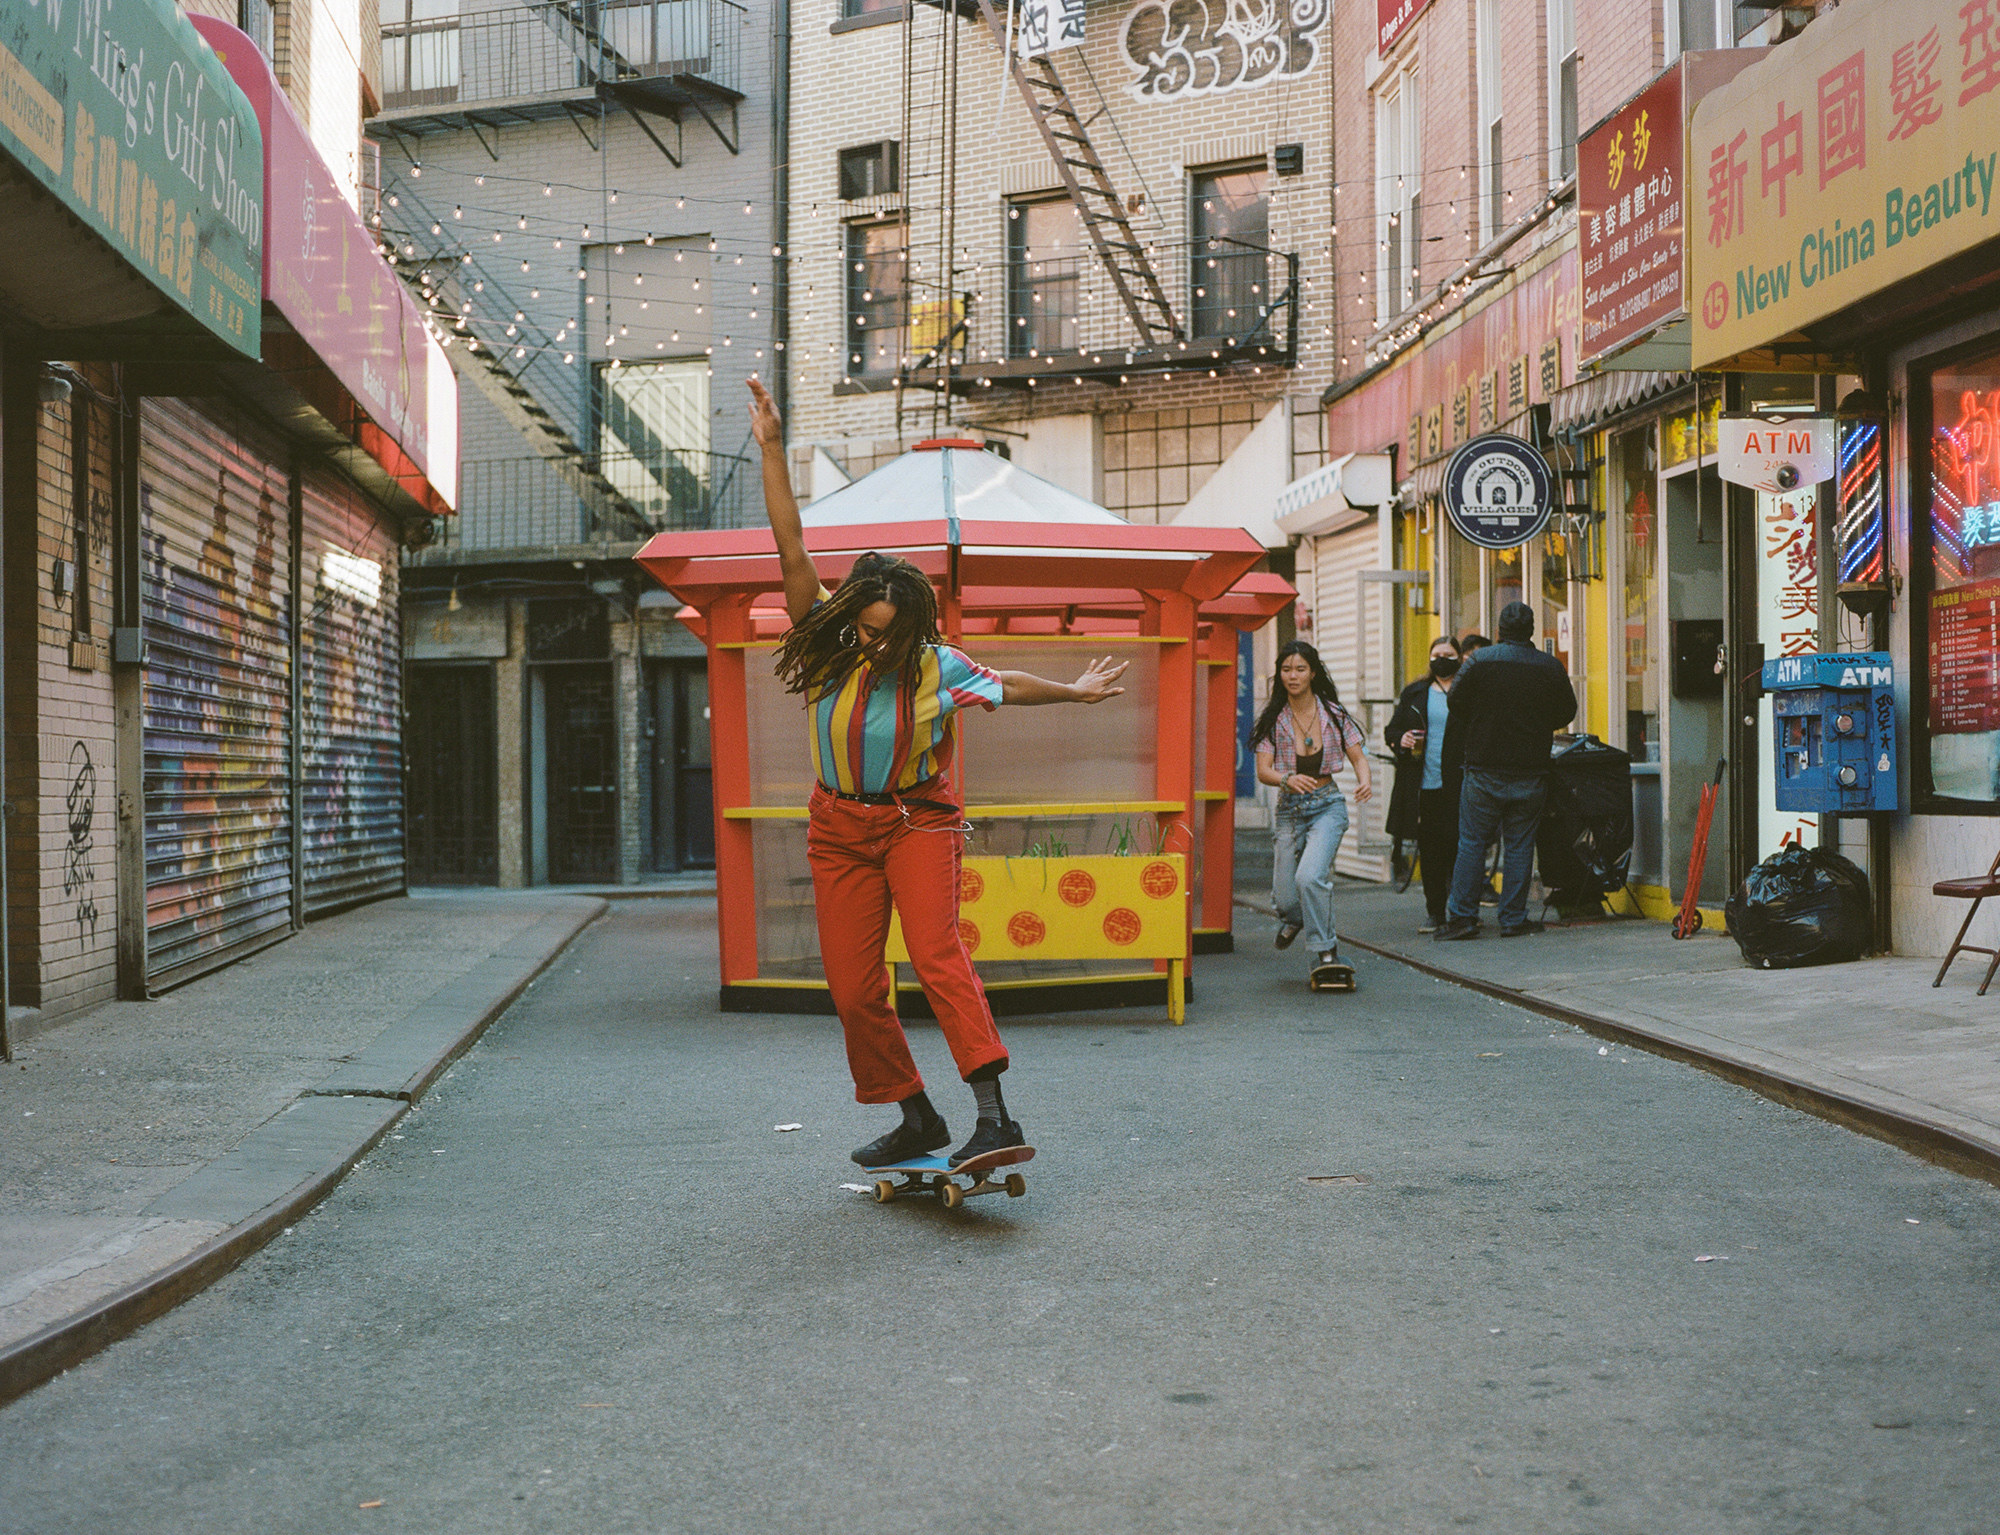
x=902 y=1143
x=989 y=1135
x=1525 y=930
x=1287 y=931
x=1457 y=928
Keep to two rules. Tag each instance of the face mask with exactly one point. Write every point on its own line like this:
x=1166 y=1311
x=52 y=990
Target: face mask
x=1444 y=666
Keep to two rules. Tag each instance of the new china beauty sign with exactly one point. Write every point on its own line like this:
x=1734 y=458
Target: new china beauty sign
x=122 y=112
x=1858 y=154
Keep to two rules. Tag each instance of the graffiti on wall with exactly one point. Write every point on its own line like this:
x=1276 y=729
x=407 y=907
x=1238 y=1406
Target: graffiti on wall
x=1181 y=48
x=80 y=805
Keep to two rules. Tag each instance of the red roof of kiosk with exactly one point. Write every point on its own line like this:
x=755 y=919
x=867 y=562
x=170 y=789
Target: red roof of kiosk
x=957 y=511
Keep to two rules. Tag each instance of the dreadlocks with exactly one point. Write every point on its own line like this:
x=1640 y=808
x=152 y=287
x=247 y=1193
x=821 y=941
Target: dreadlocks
x=822 y=649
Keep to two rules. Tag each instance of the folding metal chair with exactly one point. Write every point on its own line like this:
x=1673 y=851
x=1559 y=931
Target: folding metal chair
x=1976 y=888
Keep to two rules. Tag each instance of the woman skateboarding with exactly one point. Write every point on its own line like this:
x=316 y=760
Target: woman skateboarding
x=1300 y=738
x=886 y=824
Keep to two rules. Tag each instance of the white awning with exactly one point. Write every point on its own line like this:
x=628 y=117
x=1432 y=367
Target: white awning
x=1337 y=495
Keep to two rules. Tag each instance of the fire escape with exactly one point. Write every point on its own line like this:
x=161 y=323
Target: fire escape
x=660 y=62
x=1223 y=303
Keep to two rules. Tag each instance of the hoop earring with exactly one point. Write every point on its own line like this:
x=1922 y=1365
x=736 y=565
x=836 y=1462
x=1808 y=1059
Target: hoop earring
x=849 y=638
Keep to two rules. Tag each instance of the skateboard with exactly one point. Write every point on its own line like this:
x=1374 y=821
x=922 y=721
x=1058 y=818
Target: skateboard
x=1337 y=976
x=935 y=1175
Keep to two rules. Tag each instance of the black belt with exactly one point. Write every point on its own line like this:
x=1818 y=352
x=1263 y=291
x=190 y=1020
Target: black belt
x=898 y=800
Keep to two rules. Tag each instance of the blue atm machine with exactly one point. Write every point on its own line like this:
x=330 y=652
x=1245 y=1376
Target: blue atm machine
x=1835 y=719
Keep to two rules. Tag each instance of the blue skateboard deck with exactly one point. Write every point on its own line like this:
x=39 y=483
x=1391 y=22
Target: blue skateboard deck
x=936 y=1175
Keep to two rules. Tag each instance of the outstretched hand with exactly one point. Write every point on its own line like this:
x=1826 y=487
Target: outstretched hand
x=1094 y=686
x=766 y=425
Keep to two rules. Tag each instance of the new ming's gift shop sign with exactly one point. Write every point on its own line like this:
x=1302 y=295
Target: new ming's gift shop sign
x=1861 y=153
x=125 y=117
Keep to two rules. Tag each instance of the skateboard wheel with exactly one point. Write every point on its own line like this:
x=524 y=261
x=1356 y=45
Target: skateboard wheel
x=885 y=1190
x=1016 y=1185
x=952 y=1195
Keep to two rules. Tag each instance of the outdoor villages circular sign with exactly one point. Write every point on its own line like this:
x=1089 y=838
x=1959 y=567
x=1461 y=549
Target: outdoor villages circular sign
x=1498 y=491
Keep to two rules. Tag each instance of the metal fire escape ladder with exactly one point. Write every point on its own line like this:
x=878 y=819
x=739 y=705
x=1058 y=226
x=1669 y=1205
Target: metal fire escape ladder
x=483 y=362
x=1097 y=201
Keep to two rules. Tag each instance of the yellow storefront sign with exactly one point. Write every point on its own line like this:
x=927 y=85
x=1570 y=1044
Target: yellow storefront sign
x=1861 y=153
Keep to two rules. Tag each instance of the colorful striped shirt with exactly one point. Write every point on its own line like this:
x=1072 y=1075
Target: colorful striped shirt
x=871 y=736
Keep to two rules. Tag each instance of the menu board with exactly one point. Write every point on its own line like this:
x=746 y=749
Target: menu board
x=1962 y=685
x=1965 y=658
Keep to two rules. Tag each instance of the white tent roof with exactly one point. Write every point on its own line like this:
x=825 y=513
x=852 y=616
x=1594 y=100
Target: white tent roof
x=951 y=484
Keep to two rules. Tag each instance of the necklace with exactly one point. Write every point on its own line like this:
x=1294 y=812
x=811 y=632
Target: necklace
x=1307 y=725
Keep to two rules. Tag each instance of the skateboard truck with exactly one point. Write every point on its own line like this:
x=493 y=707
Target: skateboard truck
x=935 y=1175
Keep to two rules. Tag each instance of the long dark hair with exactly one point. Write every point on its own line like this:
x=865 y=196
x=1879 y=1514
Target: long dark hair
x=1322 y=686
x=821 y=650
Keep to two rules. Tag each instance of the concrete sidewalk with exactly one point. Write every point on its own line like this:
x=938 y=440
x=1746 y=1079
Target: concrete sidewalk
x=151 y=1146
x=1868 y=1044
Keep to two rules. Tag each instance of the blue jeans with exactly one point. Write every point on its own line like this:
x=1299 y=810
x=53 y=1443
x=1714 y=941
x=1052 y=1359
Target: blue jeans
x=1511 y=804
x=1305 y=834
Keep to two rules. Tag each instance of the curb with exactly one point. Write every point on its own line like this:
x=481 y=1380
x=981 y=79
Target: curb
x=480 y=997
x=1958 y=1150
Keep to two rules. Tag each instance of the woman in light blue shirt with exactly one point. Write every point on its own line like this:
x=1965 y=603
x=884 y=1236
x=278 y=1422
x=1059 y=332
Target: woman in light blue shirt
x=1424 y=802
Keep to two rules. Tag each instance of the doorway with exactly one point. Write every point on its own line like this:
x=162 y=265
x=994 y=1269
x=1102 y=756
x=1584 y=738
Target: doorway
x=450 y=747
x=576 y=760
x=683 y=820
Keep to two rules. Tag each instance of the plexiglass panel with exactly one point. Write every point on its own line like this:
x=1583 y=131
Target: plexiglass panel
x=780 y=734
x=787 y=932
x=1063 y=753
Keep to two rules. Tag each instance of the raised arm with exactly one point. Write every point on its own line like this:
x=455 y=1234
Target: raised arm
x=1093 y=687
x=802 y=585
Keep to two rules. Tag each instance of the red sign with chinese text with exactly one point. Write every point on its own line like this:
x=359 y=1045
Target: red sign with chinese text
x=1630 y=199
x=1965 y=659
x=1395 y=17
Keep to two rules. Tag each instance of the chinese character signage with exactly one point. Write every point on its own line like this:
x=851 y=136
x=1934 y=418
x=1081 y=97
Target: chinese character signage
x=1393 y=18
x=1788 y=625
x=1047 y=25
x=1629 y=197
x=1848 y=159
x=1964 y=600
x=123 y=113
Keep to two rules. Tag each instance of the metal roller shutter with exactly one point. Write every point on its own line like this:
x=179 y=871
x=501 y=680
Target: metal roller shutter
x=1337 y=562
x=351 y=768
x=214 y=495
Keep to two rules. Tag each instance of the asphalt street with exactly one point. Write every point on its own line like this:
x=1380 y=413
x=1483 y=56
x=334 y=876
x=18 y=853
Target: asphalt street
x=1552 y=1286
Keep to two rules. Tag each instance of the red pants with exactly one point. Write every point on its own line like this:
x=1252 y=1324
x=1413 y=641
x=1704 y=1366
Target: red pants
x=863 y=857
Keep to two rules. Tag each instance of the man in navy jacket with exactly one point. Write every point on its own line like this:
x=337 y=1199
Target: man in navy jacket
x=1507 y=703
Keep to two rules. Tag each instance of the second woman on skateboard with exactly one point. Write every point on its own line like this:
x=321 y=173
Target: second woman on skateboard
x=1300 y=738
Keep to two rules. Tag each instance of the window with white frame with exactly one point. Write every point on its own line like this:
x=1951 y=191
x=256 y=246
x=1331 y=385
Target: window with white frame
x=1492 y=157
x=1695 y=24
x=1398 y=195
x=1562 y=90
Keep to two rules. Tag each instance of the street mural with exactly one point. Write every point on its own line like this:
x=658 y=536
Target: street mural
x=1181 y=48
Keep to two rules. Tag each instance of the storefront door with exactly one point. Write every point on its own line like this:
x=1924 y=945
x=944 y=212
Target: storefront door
x=580 y=781
x=683 y=803
x=454 y=834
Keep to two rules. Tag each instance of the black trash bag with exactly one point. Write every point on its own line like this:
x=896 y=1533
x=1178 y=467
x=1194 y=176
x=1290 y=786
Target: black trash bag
x=1801 y=906
x=1584 y=846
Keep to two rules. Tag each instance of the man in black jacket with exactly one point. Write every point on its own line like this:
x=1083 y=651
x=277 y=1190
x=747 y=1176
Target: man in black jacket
x=1507 y=702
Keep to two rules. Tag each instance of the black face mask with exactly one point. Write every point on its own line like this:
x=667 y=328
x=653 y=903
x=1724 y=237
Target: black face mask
x=1444 y=666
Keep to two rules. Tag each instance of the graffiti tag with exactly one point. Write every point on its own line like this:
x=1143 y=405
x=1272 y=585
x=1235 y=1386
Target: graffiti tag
x=81 y=805
x=1180 y=48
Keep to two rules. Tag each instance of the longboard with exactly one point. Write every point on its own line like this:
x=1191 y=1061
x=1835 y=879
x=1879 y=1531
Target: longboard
x=1334 y=977
x=936 y=1175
